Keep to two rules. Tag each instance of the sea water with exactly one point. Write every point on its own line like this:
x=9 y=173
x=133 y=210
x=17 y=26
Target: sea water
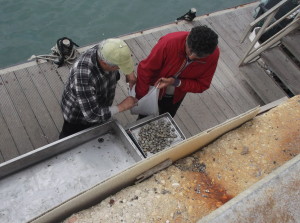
x=32 y=27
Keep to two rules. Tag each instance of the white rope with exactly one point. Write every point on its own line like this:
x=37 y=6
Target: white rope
x=57 y=55
x=69 y=59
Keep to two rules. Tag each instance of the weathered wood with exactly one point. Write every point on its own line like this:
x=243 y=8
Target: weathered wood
x=264 y=85
x=47 y=94
x=144 y=44
x=37 y=105
x=1 y=157
x=53 y=78
x=182 y=126
x=288 y=74
x=219 y=101
x=64 y=72
x=214 y=109
x=292 y=43
x=23 y=108
x=184 y=116
x=199 y=111
x=13 y=121
x=150 y=39
x=232 y=26
x=8 y=147
x=237 y=87
x=137 y=51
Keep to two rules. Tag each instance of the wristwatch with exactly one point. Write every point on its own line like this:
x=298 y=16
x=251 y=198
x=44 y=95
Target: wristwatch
x=177 y=82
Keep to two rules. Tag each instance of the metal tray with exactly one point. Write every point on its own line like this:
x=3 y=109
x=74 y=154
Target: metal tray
x=134 y=130
x=69 y=167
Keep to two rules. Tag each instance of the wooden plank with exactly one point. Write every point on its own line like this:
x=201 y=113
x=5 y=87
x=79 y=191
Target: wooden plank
x=237 y=87
x=219 y=102
x=199 y=112
x=1 y=157
x=27 y=117
x=227 y=95
x=213 y=108
x=230 y=35
x=64 y=72
x=233 y=25
x=144 y=44
x=241 y=18
x=286 y=70
x=46 y=93
x=136 y=50
x=291 y=42
x=151 y=40
x=157 y=35
x=13 y=121
x=182 y=126
x=168 y=30
x=37 y=105
x=53 y=78
x=8 y=147
x=185 y=116
x=262 y=83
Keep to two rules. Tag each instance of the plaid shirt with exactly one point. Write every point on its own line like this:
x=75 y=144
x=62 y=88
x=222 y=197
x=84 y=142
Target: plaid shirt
x=89 y=91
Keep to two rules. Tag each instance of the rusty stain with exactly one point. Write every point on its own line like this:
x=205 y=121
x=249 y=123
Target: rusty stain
x=111 y=202
x=197 y=184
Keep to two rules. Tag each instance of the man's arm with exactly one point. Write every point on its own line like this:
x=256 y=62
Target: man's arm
x=131 y=79
x=149 y=68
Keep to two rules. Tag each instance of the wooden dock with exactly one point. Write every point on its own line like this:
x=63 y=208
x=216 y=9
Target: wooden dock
x=30 y=115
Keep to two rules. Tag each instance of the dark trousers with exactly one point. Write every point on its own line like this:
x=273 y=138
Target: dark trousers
x=166 y=105
x=70 y=129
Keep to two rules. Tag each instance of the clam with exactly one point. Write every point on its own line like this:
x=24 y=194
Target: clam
x=156 y=136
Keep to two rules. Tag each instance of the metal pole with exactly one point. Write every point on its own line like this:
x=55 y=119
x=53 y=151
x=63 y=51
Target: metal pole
x=270 y=42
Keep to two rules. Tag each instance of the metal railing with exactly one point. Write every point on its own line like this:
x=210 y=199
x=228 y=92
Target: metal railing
x=253 y=52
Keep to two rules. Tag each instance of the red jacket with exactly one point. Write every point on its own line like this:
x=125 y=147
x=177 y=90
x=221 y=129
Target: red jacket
x=166 y=58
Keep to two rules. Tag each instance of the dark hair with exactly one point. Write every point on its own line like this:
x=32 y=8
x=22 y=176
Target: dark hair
x=202 y=40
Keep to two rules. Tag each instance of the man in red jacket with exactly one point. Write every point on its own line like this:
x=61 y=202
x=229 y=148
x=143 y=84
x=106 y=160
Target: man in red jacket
x=179 y=63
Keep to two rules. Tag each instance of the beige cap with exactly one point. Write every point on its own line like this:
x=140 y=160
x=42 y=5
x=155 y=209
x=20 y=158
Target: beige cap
x=117 y=52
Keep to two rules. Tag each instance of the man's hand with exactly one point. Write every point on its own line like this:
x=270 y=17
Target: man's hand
x=164 y=82
x=131 y=79
x=127 y=103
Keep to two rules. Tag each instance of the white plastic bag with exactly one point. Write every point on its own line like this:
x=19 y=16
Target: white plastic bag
x=147 y=105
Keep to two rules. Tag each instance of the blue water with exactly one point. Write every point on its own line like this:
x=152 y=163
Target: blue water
x=30 y=27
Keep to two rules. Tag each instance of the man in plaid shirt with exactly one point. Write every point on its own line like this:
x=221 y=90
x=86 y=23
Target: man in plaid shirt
x=89 y=93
